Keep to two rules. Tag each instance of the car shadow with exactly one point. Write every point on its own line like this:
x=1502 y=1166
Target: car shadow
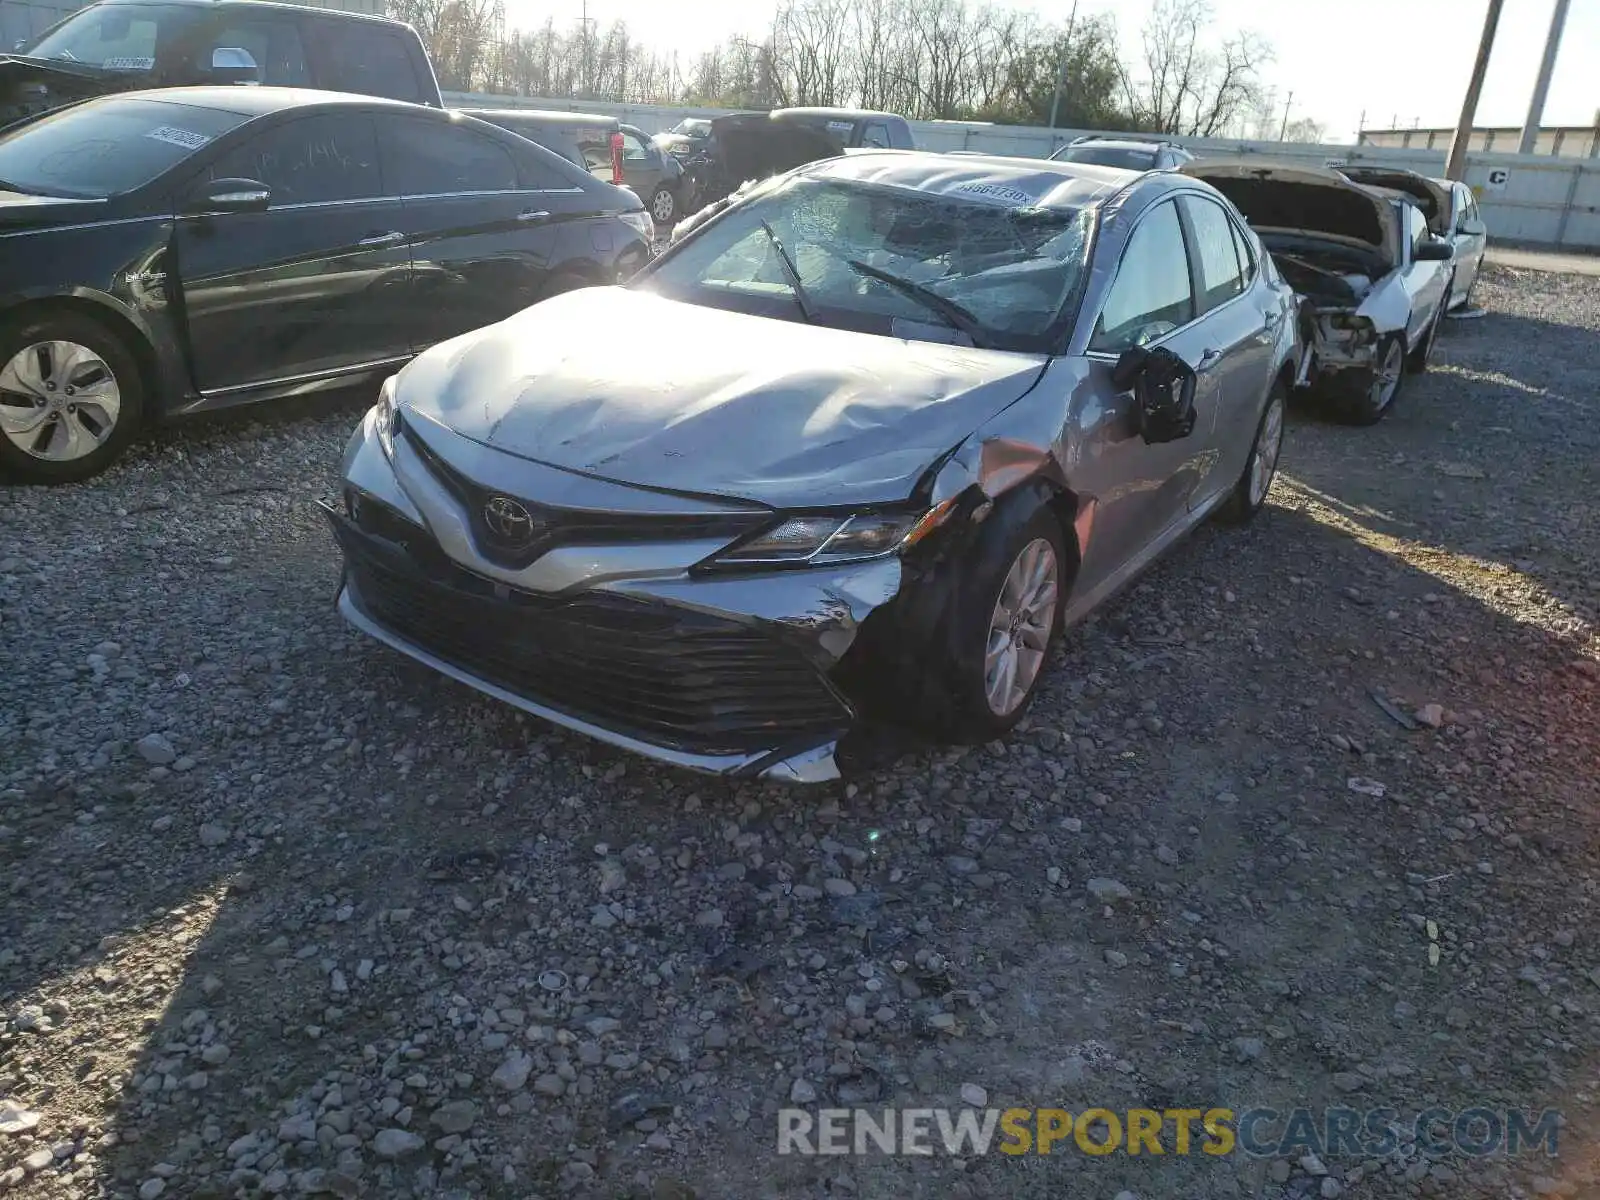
x=314 y=967
x=1539 y=403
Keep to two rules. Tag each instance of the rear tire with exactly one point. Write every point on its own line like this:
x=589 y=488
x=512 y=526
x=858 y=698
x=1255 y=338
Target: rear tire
x=1249 y=495
x=71 y=397
x=1363 y=397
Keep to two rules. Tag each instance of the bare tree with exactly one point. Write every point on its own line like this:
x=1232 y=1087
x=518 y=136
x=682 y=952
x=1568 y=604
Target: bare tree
x=1185 y=85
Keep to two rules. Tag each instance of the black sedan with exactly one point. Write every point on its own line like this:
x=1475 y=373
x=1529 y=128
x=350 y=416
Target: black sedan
x=173 y=251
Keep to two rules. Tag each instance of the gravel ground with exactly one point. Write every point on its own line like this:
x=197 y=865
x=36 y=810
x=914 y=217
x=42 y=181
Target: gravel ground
x=282 y=913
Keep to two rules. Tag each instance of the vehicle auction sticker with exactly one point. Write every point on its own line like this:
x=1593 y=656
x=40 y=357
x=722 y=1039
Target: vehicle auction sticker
x=128 y=63
x=996 y=191
x=188 y=139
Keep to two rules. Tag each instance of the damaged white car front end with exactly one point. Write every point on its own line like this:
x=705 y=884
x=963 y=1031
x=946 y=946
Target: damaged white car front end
x=1372 y=280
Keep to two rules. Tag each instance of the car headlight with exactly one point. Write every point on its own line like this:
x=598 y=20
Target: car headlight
x=640 y=221
x=832 y=539
x=385 y=420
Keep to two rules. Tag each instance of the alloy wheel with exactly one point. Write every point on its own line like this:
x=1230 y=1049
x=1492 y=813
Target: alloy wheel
x=1386 y=379
x=663 y=207
x=1264 y=460
x=1020 y=627
x=59 y=401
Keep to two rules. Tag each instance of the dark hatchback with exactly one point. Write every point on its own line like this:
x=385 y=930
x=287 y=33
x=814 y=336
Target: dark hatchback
x=174 y=251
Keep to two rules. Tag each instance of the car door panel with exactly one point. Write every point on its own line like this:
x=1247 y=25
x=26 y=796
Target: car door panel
x=316 y=284
x=642 y=168
x=1238 y=345
x=1141 y=490
x=480 y=239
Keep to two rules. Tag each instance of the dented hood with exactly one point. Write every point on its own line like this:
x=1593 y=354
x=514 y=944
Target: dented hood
x=1300 y=199
x=634 y=388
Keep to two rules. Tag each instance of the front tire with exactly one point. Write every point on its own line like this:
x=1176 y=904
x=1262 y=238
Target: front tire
x=1368 y=395
x=972 y=673
x=663 y=206
x=71 y=397
x=1249 y=495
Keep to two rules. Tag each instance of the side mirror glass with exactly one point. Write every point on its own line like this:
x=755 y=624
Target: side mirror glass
x=220 y=196
x=233 y=64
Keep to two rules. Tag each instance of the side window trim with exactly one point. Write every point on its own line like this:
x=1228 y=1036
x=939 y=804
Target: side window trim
x=1183 y=231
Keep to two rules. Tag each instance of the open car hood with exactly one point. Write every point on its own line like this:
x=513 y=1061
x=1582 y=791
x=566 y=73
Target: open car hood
x=34 y=85
x=777 y=412
x=1308 y=200
x=754 y=146
x=1432 y=199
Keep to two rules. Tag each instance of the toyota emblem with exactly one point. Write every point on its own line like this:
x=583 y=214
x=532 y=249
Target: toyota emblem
x=512 y=525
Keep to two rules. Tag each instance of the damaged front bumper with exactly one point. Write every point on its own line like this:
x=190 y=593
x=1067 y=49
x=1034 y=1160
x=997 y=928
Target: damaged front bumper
x=723 y=674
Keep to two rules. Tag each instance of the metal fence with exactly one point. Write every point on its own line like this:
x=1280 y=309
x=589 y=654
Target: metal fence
x=1526 y=200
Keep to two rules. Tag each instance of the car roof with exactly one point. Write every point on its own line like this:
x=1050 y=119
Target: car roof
x=542 y=116
x=299 y=9
x=837 y=114
x=259 y=101
x=1020 y=182
x=1121 y=144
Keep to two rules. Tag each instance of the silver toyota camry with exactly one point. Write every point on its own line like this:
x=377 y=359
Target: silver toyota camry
x=854 y=450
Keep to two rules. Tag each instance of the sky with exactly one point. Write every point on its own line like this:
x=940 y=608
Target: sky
x=1404 y=61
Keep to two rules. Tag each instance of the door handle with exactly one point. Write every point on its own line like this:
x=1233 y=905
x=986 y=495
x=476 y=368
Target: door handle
x=1209 y=359
x=534 y=215
x=383 y=239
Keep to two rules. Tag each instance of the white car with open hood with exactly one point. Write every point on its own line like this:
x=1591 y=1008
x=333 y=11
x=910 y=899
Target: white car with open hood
x=1374 y=278
x=934 y=411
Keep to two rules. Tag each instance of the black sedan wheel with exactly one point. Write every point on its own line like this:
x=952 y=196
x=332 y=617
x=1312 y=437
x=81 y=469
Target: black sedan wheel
x=70 y=398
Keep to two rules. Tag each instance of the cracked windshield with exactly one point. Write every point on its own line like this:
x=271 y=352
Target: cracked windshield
x=988 y=273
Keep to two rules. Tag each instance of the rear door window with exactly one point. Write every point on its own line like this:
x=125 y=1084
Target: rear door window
x=432 y=158
x=1215 y=253
x=314 y=160
x=371 y=60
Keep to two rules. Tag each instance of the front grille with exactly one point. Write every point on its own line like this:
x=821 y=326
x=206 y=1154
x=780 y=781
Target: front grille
x=656 y=672
x=574 y=527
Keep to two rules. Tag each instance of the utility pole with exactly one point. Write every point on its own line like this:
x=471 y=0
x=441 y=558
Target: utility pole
x=1283 y=130
x=1061 y=67
x=588 y=66
x=1456 y=166
x=1552 y=45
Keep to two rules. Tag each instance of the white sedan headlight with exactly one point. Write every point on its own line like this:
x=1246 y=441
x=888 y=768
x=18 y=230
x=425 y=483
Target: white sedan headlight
x=383 y=422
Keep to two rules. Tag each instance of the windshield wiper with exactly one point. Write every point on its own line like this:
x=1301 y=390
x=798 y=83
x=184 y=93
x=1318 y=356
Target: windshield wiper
x=955 y=315
x=802 y=301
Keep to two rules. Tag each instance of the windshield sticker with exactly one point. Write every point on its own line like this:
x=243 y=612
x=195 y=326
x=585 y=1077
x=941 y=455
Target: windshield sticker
x=127 y=62
x=172 y=135
x=996 y=191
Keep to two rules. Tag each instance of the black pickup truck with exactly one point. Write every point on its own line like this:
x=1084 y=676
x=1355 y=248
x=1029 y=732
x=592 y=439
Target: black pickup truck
x=131 y=45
